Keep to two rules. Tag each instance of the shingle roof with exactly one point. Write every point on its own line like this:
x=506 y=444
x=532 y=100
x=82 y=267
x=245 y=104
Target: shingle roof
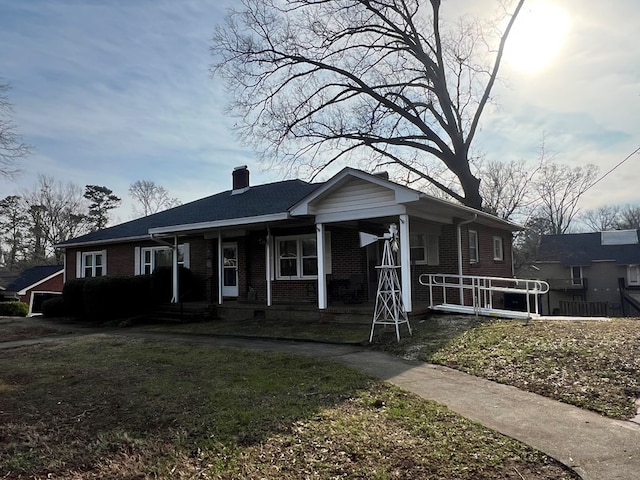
x=580 y=249
x=258 y=200
x=32 y=276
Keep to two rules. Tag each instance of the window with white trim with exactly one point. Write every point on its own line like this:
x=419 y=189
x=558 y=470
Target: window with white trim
x=633 y=275
x=93 y=264
x=424 y=249
x=156 y=257
x=296 y=257
x=576 y=275
x=498 y=248
x=474 y=256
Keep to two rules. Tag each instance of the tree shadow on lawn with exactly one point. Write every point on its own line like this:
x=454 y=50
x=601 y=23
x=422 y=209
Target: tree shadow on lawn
x=72 y=407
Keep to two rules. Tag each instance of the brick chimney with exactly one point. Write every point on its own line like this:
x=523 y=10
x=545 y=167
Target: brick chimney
x=240 y=180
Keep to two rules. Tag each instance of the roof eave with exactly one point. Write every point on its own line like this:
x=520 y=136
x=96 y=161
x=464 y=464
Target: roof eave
x=105 y=241
x=233 y=222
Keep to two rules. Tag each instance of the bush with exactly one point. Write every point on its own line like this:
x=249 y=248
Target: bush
x=162 y=285
x=108 y=298
x=73 y=294
x=54 y=307
x=13 y=309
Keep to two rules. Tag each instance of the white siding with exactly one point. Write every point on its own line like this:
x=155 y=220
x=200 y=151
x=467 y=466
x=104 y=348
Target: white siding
x=356 y=195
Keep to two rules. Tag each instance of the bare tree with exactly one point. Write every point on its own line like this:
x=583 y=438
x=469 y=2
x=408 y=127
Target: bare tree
x=506 y=187
x=315 y=82
x=57 y=212
x=560 y=188
x=151 y=197
x=602 y=218
x=629 y=217
x=12 y=148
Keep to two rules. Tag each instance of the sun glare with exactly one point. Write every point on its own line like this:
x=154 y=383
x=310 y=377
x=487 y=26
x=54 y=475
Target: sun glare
x=537 y=36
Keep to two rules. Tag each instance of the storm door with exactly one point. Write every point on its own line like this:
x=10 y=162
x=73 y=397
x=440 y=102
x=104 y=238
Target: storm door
x=229 y=269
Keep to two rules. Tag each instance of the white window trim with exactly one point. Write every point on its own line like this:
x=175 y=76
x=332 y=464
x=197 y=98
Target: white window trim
x=498 y=253
x=632 y=275
x=139 y=263
x=431 y=245
x=81 y=263
x=298 y=239
x=473 y=247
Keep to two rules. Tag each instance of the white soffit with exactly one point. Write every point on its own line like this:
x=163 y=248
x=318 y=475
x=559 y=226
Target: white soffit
x=619 y=237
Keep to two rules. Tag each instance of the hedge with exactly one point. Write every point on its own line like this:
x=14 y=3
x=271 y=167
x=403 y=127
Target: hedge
x=13 y=309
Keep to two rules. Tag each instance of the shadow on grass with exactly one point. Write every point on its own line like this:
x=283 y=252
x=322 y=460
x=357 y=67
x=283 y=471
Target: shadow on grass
x=70 y=407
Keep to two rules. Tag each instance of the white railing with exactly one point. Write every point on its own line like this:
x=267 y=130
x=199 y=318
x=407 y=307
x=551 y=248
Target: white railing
x=482 y=292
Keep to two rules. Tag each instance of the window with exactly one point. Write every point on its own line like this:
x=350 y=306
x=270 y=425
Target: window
x=576 y=275
x=473 y=247
x=498 y=250
x=633 y=275
x=93 y=264
x=424 y=249
x=155 y=257
x=297 y=257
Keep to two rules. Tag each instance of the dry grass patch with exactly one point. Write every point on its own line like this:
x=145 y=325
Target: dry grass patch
x=103 y=407
x=19 y=328
x=591 y=364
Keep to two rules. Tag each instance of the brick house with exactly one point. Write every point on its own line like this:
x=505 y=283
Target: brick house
x=295 y=242
x=36 y=284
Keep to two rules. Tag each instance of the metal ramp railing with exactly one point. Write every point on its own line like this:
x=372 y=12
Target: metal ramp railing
x=478 y=295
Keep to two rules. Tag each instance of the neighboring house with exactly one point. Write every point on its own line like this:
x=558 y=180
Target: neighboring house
x=296 y=242
x=592 y=274
x=35 y=285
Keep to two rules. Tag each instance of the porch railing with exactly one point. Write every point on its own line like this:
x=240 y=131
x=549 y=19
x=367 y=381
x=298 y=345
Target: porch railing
x=479 y=295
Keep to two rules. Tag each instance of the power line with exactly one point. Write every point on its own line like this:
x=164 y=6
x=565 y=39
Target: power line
x=616 y=166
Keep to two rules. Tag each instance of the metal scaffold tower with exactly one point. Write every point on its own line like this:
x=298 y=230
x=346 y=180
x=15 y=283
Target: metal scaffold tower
x=389 y=306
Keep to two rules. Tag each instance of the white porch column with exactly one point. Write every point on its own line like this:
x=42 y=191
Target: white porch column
x=220 y=268
x=176 y=287
x=322 y=277
x=269 y=263
x=405 y=262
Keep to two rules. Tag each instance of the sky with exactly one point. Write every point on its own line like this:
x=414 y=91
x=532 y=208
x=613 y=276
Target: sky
x=108 y=92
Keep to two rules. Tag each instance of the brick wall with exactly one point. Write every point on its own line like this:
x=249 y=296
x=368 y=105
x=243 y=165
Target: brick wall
x=52 y=285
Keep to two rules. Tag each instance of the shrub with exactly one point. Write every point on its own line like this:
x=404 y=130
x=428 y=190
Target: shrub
x=108 y=298
x=54 y=307
x=73 y=294
x=162 y=284
x=14 y=309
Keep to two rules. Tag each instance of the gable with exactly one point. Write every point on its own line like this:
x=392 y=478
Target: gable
x=355 y=194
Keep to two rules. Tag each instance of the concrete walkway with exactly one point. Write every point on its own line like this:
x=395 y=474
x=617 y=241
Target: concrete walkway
x=596 y=447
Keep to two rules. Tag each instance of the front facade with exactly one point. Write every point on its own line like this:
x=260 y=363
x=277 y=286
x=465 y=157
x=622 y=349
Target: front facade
x=591 y=274
x=295 y=242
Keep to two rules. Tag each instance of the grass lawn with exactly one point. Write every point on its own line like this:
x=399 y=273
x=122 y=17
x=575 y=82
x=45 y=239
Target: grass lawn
x=99 y=407
x=591 y=364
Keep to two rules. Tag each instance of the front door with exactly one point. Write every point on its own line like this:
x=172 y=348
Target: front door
x=229 y=269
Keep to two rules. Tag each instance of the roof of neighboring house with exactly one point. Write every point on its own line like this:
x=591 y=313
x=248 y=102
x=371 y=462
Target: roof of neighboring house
x=580 y=249
x=33 y=276
x=259 y=200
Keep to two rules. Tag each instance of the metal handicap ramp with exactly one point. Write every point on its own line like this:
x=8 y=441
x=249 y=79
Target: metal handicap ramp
x=480 y=295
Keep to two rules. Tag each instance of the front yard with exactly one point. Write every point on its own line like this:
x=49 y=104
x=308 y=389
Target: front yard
x=98 y=407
